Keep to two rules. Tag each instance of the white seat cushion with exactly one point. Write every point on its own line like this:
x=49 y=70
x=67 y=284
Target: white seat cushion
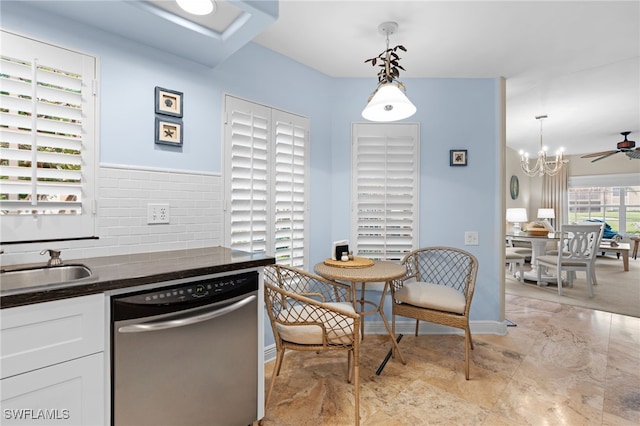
x=513 y=256
x=553 y=260
x=338 y=332
x=432 y=296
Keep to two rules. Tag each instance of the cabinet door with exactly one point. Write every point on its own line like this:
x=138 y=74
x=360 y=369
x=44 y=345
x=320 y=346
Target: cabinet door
x=70 y=393
x=43 y=334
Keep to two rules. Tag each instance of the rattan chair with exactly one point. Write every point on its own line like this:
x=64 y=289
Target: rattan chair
x=577 y=250
x=437 y=288
x=310 y=313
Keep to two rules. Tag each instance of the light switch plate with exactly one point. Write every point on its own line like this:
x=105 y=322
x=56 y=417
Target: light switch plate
x=158 y=213
x=471 y=238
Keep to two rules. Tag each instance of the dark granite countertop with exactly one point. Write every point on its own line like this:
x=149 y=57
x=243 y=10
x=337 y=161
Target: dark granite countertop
x=116 y=272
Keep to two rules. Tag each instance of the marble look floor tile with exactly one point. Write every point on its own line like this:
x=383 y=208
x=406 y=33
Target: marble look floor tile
x=560 y=365
x=622 y=394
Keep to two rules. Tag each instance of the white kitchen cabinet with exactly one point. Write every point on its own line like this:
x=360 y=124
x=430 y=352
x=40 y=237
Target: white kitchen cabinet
x=52 y=362
x=69 y=393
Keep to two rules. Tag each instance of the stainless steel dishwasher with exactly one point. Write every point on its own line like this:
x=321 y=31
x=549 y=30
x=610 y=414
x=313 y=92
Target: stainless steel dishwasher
x=186 y=354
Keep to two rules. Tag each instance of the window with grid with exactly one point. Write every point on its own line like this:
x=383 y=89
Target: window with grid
x=266 y=176
x=385 y=190
x=47 y=141
x=614 y=199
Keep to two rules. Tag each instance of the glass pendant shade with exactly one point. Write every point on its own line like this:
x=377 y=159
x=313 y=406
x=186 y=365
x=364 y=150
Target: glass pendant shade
x=388 y=103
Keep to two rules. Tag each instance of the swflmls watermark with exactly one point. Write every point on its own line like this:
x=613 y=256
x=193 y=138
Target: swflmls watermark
x=36 y=414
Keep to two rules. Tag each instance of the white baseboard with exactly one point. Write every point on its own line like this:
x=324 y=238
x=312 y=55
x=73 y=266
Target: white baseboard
x=408 y=327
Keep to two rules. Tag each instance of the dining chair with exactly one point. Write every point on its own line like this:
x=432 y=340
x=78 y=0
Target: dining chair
x=311 y=313
x=515 y=259
x=577 y=250
x=438 y=288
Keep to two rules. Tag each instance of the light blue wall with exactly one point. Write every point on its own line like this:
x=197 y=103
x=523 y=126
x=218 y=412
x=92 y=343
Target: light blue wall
x=453 y=114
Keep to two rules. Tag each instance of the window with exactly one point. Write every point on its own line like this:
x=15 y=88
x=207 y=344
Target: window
x=266 y=174
x=385 y=176
x=47 y=141
x=614 y=199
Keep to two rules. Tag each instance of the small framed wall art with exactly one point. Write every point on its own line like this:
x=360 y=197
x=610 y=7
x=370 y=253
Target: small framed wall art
x=458 y=157
x=168 y=102
x=169 y=131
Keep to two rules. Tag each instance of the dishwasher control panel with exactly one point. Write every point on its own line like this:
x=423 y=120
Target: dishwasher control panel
x=197 y=289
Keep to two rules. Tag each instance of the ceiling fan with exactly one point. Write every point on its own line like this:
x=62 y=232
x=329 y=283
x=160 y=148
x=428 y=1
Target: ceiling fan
x=625 y=146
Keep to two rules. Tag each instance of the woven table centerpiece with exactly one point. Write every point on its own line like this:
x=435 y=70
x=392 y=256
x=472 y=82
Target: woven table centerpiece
x=357 y=262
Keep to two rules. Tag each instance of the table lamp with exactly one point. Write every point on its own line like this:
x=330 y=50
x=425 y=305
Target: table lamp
x=545 y=215
x=516 y=216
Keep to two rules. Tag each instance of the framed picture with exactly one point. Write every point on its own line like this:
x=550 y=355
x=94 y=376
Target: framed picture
x=168 y=102
x=458 y=157
x=169 y=131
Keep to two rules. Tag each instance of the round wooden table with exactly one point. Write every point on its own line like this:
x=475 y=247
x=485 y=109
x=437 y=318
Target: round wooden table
x=380 y=271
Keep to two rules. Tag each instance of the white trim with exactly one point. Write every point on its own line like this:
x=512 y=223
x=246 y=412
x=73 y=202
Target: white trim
x=408 y=327
x=158 y=169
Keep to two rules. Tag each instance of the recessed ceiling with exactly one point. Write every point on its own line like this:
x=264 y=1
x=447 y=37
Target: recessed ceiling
x=220 y=21
x=576 y=61
x=162 y=25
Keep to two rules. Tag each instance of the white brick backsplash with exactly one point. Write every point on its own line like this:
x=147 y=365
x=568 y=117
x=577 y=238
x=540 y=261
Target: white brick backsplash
x=195 y=204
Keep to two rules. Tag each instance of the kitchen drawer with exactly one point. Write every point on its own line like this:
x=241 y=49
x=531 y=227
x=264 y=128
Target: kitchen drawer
x=44 y=334
x=69 y=393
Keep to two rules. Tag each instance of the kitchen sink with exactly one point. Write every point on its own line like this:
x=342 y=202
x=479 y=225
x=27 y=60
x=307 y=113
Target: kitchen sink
x=17 y=279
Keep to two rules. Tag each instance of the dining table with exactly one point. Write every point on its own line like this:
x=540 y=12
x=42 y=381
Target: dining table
x=538 y=248
x=358 y=273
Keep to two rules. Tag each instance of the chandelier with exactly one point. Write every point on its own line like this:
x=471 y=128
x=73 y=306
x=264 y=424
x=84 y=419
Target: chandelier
x=388 y=102
x=543 y=165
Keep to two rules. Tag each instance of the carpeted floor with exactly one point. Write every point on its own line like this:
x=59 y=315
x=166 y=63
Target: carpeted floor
x=617 y=291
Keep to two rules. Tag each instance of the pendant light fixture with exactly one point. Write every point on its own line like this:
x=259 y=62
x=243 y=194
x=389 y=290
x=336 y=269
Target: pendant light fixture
x=542 y=166
x=388 y=102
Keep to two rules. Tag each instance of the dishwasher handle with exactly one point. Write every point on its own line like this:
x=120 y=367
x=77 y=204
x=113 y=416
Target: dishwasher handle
x=163 y=325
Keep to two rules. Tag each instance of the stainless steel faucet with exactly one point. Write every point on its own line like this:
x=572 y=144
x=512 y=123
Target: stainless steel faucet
x=55 y=257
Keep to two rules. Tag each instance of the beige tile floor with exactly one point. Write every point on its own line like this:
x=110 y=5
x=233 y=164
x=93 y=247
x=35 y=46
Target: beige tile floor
x=560 y=365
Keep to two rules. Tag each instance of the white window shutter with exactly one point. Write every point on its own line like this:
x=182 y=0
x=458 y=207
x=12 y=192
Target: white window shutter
x=385 y=188
x=289 y=188
x=47 y=141
x=266 y=173
x=248 y=132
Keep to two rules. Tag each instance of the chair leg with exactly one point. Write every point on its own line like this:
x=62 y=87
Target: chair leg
x=589 y=273
x=356 y=387
x=559 y=279
x=417 y=325
x=522 y=272
x=349 y=367
x=467 y=344
x=276 y=372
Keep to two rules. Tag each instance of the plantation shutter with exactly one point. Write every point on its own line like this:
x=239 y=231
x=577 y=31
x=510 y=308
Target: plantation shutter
x=47 y=138
x=385 y=179
x=248 y=217
x=266 y=175
x=289 y=189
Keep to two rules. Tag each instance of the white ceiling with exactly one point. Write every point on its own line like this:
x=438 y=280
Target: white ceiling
x=576 y=61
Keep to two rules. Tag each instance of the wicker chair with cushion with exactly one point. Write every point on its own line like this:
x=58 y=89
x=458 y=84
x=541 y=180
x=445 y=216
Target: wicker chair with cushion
x=437 y=288
x=577 y=249
x=310 y=313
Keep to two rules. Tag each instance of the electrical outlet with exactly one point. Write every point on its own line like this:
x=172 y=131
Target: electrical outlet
x=157 y=213
x=470 y=238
